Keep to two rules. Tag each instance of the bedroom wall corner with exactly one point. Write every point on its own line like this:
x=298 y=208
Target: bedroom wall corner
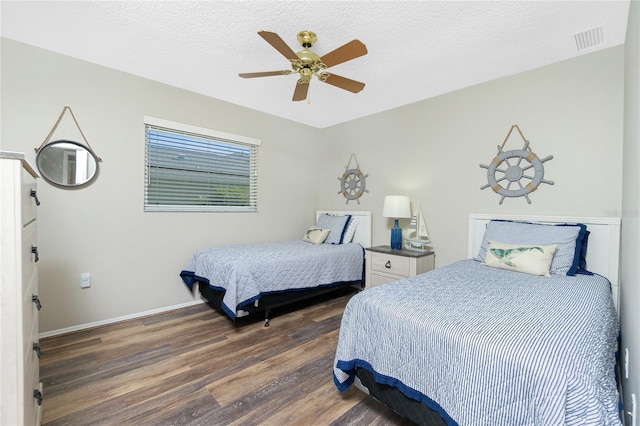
x=630 y=244
x=431 y=150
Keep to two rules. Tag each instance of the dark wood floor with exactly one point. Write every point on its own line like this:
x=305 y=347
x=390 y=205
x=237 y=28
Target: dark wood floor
x=194 y=366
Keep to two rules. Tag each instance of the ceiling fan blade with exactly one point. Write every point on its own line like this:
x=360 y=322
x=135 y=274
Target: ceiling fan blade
x=301 y=90
x=351 y=50
x=264 y=73
x=342 y=82
x=274 y=40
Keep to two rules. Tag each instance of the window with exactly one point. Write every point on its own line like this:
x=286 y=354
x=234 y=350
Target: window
x=194 y=169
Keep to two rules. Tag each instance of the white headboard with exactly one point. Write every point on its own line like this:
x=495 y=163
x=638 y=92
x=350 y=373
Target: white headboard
x=363 y=231
x=603 y=252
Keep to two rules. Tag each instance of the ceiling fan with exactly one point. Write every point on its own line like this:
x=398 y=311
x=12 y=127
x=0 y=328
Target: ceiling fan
x=307 y=63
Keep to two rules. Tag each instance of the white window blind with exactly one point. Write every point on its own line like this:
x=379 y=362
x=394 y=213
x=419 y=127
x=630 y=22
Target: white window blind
x=195 y=169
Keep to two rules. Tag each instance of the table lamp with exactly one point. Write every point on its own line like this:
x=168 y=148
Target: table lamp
x=396 y=207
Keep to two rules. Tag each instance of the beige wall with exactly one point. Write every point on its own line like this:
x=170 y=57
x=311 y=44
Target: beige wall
x=630 y=251
x=135 y=257
x=430 y=151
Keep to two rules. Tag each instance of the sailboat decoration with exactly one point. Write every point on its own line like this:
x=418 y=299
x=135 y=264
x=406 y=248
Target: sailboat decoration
x=417 y=237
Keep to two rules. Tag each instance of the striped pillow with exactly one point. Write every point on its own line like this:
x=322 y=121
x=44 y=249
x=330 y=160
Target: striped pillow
x=337 y=224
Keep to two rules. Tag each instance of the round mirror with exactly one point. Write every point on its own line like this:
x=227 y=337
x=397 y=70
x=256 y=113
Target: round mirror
x=67 y=163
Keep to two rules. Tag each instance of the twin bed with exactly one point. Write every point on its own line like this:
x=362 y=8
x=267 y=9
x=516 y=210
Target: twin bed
x=524 y=332
x=244 y=279
x=472 y=344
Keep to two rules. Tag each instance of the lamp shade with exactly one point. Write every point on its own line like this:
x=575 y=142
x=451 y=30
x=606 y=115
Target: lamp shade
x=396 y=206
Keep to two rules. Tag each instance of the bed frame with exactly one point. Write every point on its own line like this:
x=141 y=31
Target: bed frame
x=602 y=258
x=268 y=302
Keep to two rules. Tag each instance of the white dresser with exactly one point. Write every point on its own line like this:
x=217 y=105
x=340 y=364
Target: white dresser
x=20 y=387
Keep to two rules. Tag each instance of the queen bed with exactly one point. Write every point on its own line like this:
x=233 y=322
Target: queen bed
x=523 y=332
x=243 y=279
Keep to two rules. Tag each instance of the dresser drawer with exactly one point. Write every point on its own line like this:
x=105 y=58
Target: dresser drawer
x=28 y=202
x=31 y=360
x=29 y=308
x=29 y=243
x=32 y=410
x=396 y=265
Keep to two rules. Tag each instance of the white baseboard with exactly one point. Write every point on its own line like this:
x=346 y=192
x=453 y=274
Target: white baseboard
x=117 y=319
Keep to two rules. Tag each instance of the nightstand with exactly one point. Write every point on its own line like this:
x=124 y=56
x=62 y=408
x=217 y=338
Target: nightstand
x=385 y=265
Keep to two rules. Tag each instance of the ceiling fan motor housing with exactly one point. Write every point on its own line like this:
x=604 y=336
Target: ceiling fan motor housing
x=308 y=63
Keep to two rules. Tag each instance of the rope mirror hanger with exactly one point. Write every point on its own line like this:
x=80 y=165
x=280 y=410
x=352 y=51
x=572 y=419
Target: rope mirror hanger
x=67 y=163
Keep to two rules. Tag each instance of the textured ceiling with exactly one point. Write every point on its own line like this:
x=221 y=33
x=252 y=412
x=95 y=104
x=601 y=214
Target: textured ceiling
x=417 y=49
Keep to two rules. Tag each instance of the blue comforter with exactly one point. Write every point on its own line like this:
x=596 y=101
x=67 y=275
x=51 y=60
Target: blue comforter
x=486 y=346
x=247 y=272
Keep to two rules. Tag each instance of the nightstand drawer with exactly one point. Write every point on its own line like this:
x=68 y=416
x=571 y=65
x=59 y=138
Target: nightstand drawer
x=396 y=265
x=377 y=280
x=384 y=265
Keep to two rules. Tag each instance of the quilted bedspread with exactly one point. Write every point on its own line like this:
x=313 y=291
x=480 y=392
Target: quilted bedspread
x=246 y=272
x=486 y=346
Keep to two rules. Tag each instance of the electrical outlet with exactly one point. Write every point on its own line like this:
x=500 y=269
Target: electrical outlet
x=632 y=413
x=85 y=280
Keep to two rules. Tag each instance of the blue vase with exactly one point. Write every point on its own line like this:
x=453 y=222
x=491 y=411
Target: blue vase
x=396 y=237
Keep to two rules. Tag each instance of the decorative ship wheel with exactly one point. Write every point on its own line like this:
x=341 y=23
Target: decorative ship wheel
x=353 y=182
x=508 y=166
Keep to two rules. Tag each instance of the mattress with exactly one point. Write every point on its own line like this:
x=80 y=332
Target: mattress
x=247 y=272
x=486 y=346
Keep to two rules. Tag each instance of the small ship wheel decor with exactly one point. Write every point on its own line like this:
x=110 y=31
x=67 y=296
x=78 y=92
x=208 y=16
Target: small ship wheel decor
x=353 y=182
x=509 y=173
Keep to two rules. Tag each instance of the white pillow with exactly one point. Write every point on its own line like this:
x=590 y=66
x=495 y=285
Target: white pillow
x=315 y=235
x=531 y=259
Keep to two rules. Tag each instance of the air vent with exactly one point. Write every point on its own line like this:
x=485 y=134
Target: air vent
x=589 y=38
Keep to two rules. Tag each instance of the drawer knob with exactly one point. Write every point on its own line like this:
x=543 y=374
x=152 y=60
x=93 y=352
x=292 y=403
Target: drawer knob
x=36 y=348
x=34 y=299
x=34 y=194
x=38 y=396
x=388 y=264
x=34 y=250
